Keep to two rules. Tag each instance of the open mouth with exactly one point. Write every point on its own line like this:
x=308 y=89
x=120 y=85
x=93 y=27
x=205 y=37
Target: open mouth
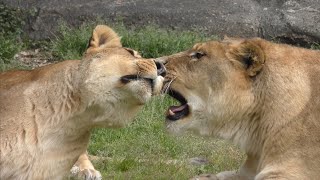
x=128 y=78
x=177 y=112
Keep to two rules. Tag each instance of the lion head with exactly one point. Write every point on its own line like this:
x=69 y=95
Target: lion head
x=213 y=83
x=117 y=79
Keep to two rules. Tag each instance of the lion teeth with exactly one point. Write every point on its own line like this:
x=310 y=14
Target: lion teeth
x=158 y=83
x=171 y=113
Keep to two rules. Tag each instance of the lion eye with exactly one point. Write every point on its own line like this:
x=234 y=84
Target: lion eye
x=197 y=55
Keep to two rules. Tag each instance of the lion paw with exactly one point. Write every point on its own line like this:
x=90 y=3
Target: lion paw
x=85 y=174
x=205 y=177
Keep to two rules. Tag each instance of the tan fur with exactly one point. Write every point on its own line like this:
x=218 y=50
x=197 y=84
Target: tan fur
x=46 y=114
x=263 y=96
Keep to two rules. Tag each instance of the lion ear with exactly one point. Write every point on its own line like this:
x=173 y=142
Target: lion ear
x=249 y=54
x=103 y=37
x=133 y=52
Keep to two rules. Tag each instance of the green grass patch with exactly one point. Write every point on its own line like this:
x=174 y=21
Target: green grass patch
x=9 y=46
x=10 y=30
x=143 y=150
x=150 y=41
x=315 y=46
x=71 y=42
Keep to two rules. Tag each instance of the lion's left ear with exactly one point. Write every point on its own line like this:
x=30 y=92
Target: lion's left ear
x=249 y=54
x=133 y=52
x=103 y=37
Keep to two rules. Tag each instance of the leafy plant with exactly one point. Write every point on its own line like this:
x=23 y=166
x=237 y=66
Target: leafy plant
x=11 y=22
x=315 y=46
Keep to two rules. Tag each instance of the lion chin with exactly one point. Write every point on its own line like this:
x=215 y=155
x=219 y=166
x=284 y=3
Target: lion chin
x=263 y=96
x=47 y=113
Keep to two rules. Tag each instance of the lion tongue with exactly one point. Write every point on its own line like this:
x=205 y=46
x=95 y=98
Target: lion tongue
x=174 y=109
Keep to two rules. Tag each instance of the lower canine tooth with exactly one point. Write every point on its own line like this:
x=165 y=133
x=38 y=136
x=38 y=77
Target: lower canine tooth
x=170 y=112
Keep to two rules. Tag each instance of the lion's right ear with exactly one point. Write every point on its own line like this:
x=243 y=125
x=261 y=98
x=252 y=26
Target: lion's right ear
x=103 y=37
x=249 y=54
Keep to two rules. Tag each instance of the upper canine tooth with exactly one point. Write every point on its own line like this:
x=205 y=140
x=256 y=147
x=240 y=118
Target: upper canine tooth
x=158 y=83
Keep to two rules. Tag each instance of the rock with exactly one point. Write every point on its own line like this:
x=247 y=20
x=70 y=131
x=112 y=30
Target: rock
x=198 y=161
x=291 y=21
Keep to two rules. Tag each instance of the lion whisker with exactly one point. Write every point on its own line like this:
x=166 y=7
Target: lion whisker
x=167 y=86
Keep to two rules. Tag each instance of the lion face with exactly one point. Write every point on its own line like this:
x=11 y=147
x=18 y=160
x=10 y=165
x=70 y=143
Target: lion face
x=212 y=81
x=117 y=80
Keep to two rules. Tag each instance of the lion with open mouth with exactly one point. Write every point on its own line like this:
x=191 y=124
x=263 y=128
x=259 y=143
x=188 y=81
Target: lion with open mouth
x=47 y=114
x=262 y=96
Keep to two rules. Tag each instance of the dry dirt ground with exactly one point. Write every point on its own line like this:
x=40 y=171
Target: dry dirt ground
x=34 y=58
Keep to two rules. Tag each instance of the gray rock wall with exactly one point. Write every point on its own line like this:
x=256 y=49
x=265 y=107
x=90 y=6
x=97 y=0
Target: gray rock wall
x=291 y=21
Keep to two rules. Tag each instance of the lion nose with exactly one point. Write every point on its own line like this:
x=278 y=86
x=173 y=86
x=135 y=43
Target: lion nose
x=161 y=70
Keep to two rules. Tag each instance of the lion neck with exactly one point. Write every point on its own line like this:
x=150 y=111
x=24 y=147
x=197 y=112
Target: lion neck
x=244 y=132
x=59 y=104
x=245 y=128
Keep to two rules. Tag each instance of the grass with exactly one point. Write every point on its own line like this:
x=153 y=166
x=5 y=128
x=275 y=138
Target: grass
x=150 y=41
x=71 y=42
x=315 y=46
x=9 y=46
x=143 y=150
x=10 y=40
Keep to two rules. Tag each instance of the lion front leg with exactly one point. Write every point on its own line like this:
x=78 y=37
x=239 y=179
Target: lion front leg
x=83 y=169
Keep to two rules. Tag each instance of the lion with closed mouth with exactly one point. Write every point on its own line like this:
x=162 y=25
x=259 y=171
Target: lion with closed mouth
x=262 y=96
x=47 y=114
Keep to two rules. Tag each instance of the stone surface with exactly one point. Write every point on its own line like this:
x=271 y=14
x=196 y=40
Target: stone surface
x=198 y=161
x=291 y=21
